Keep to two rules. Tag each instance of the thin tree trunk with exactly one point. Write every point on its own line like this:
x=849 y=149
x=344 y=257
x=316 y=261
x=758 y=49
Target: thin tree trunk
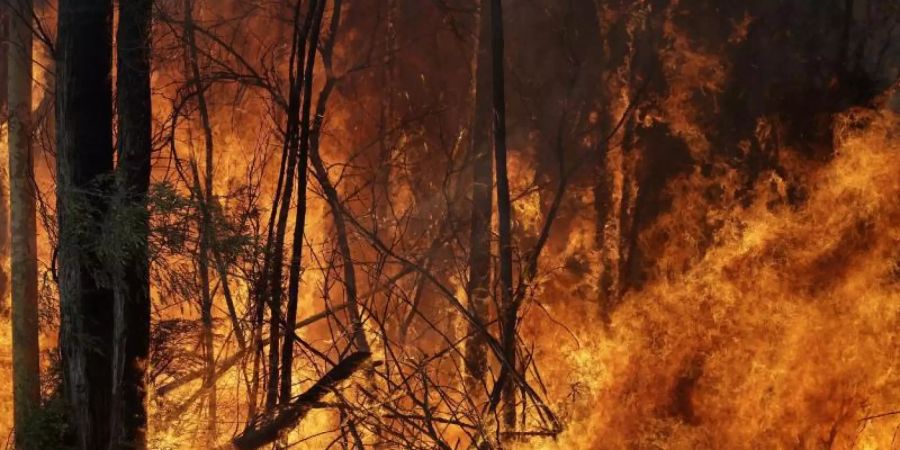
x=26 y=359
x=263 y=290
x=132 y=313
x=203 y=189
x=84 y=168
x=292 y=138
x=504 y=213
x=222 y=269
x=287 y=350
x=479 y=286
x=333 y=199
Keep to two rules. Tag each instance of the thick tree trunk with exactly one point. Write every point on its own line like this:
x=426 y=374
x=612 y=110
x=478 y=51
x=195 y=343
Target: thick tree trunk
x=26 y=359
x=479 y=287
x=84 y=168
x=132 y=296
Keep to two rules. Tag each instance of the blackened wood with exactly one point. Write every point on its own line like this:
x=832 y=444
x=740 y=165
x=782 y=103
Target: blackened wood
x=84 y=172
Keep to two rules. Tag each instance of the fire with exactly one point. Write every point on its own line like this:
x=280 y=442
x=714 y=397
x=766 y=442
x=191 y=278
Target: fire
x=734 y=290
x=780 y=335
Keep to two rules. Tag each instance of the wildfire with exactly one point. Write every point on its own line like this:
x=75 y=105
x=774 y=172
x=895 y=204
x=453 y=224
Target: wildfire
x=698 y=289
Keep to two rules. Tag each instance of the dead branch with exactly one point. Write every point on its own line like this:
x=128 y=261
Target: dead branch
x=267 y=427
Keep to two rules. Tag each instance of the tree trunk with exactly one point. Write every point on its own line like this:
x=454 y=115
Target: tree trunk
x=292 y=138
x=287 y=350
x=263 y=288
x=504 y=214
x=332 y=197
x=479 y=287
x=26 y=359
x=203 y=190
x=132 y=299
x=84 y=168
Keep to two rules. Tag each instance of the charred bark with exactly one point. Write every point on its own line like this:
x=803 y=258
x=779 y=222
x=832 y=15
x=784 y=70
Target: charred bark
x=509 y=308
x=479 y=284
x=84 y=169
x=276 y=251
x=132 y=295
x=287 y=350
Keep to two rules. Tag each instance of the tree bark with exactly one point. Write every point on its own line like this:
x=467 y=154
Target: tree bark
x=132 y=295
x=84 y=168
x=26 y=351
x=479 y=285
x=504 y=214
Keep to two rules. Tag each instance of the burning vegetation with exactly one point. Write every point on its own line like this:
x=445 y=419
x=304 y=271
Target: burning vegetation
x=522 y=224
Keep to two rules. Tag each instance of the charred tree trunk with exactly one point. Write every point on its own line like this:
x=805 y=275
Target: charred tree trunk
x=84 y=168
x=287 y=350
x=509 y=308
x=132 y=299
x=479 y=284
x=26 y=351
x=276 y=250
x=263 y=288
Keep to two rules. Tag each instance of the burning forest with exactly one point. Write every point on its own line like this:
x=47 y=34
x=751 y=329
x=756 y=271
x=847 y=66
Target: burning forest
x=448 y=224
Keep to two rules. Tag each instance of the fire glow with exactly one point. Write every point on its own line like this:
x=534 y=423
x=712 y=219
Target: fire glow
x=705 y=225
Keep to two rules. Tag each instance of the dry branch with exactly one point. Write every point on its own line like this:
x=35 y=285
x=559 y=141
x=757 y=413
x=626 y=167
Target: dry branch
x=267 y=427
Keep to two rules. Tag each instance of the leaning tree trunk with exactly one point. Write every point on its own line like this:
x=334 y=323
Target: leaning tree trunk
x=479 y=286
x=132 y=294
x=84 y=168
x=26 y=360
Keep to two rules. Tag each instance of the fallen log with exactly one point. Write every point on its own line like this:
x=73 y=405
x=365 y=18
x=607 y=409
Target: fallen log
x=269 y=426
